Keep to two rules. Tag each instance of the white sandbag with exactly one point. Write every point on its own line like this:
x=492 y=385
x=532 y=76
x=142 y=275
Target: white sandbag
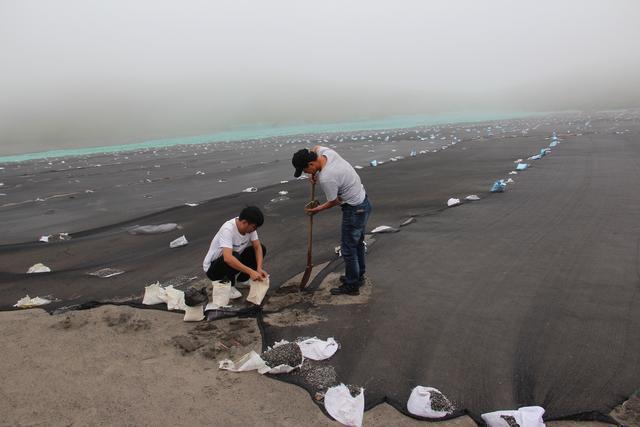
x=258 y=290
x=234 y=293
x=250 y=190
x=384 y=229
x=472 y=197
x=175 y=299
x=532 y=416
x=154 y=294
x=527 y=416
x=317 y=349
x=193 y=314
x=345 y=409
x=104 y=273
x=453 y=202
x=44 y=239
x=153 y=229
x=28 y=302
x=253 y=362
x=180 y=241
x=38 y=268
x=191 y=205
x=419 y=403
x=221 y=293
x=249 y=362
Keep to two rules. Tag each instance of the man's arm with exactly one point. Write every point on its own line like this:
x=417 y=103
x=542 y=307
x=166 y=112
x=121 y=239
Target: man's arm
x=233 y=262
x=324 y=206
x=257 y=247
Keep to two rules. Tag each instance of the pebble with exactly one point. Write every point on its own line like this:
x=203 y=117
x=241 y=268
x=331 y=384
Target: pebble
x=317 y=376
x=510 y=420
x=440 y=403
x=285 y=354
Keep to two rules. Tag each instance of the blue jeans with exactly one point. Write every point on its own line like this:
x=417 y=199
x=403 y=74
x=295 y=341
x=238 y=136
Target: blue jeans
x=354 y=221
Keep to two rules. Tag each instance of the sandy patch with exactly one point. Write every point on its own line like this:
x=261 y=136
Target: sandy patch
x=117 y=365
x=288 y=306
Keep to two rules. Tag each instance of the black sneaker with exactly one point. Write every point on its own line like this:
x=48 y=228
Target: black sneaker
x=345 y=290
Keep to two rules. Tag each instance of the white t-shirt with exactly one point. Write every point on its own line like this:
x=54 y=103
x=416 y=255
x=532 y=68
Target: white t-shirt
x=339 y=179
x=227 y=237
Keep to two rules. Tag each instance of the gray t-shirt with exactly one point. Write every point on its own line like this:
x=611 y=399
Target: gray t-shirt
x=339 y=179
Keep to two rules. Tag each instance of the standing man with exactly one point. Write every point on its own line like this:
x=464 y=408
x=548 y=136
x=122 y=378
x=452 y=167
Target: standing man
x=236 y=249
x=341 y=184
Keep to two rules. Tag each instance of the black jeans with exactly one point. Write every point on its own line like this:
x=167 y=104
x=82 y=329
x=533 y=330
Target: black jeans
x=220 y=270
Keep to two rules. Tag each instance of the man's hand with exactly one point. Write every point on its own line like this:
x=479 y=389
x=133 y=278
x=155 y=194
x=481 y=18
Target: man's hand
x=312 y=207
x=263 y=273
x=254 y=275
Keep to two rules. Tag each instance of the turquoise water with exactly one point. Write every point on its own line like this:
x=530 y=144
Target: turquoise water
x=261 y=131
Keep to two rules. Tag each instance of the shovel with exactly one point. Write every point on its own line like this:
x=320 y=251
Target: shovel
x=307 y=272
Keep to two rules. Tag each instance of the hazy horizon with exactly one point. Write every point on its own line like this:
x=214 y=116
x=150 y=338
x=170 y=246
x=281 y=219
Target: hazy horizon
x=89 y=73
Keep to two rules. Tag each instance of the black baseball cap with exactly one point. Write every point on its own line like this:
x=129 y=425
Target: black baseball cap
x=301 y=159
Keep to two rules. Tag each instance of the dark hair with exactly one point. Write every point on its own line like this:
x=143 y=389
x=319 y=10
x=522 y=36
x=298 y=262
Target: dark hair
x=252 y=215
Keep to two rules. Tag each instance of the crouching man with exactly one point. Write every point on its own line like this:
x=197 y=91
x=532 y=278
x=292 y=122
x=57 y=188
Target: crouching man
x=236 y=250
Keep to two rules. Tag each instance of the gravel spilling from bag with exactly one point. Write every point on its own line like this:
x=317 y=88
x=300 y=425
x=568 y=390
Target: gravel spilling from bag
x=510 y=420
x=439 y=402
x=286 y=354
x=317 y=376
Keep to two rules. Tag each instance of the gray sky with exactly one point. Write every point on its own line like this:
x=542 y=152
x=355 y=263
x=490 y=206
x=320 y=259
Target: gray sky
x=89 y=72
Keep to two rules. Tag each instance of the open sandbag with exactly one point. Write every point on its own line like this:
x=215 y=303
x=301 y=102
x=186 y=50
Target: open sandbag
x=193 y=314
x=429 y=402
x=221 y=293
x=343 y=407
x=258 y=290
x=154 y=294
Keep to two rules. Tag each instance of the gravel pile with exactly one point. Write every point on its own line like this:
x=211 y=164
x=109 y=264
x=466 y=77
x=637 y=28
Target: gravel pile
x=317 y=376
x=439 y=402
x=286 y=354
x=510 y=420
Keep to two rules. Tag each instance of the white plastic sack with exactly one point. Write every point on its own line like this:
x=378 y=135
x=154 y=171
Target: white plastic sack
x=384 y=229
x=526 y=416
x=175 y=299
x=193 y=314
x=38 y=268
x=258 y=290
x=221 y=293
x=419 y=403
x=154 y=294
x=472 y=197
x=180 y=241
x=28 y=302
x=104 y=273
x=453 y=202
x=249 y=362
x=317 y=349
x=253 y=362
x=153 y=229
x=250 y=190
x=44 y=239
x=345 y=409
